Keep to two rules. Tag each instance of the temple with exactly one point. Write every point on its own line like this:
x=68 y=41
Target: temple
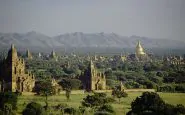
x=53 y=56
x=29 y=55
x=12 y=74
x=140 y=53
x=92 y=79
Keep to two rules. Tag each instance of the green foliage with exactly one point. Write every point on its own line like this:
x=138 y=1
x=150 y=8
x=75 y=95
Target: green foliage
x=8 y=98
x=111 y=83
x=172 y=88
x=147 y=101
x=7 y=110
x=34 y=108
x=68 y=93
x=75 y=84
x=116 y=92
x=61 y=106
x=132 y=84
x=96 y=100
x=44 y=88
x=166 y=88
x=70 y=110
x=180 y=88
x=133 y=74
x=151 y=103
x=82 y=109
x=106 y=108
x=66 y=84
x=120 y=94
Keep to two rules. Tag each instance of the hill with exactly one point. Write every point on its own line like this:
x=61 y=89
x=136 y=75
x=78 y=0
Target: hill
x=37 y=41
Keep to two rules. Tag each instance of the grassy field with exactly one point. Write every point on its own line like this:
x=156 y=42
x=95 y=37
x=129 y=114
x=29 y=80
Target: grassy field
x=122 y=108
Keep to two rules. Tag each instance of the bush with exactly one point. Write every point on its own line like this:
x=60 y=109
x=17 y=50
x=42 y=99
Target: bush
x=166 y=88
x=132 y=84
x=28 y=111
x=111 y=83
x=61 y=106
x=8 y=98
x=102 y=113
x=34 y=108
x=180 y=88
x=82 y=110
x=149 y=103
x=96 y=100
x=116 y=92
x=7 y=110
x=106 y=108
x=180 y=109
x=69 y=110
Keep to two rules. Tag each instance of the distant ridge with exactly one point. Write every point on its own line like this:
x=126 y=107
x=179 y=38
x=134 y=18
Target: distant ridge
x=34 y=40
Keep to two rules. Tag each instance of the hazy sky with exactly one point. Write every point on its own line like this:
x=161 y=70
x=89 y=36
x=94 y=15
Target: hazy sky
x=151 y=18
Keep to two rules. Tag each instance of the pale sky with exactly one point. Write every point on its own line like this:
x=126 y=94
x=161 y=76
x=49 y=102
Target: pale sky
x=150 y=18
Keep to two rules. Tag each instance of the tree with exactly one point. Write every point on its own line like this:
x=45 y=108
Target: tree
x=7 y=109
x=97 y=100
x=111 y=83
x=8 y=98
x=67 y=86
x=75 y=84
x=44 y=88
x=34 y=108
x=116 y=92
x=70 y=111
x=106 y=108
x=150 y=103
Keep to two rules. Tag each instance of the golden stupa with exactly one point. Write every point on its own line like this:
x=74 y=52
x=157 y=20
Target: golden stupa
x=139 y=49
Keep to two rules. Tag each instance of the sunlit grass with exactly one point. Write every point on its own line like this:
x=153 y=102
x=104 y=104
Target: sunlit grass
x=122 y=108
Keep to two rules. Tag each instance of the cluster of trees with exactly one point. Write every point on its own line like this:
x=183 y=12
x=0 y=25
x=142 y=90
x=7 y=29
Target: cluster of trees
x=99 y=103
x=58 y=70
x=132 y=74
x=8 y=103
x=148 y=75
x=150 y=103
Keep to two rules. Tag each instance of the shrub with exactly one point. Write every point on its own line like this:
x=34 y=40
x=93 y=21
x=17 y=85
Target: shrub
x=8 y=98
x=149 y=103
x=28 y=111
x=106 y=108
x=118 y=93
x=180 y=88
x=34 y=108
x=69 y=110
x=166 y=88
x=96 y=100
x=102 y=113
x=61 y=106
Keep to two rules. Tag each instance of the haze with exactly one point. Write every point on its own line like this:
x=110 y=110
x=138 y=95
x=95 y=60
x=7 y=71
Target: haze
x=150 y=18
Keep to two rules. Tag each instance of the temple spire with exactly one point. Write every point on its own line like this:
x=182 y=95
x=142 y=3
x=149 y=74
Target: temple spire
x=139 y=49
x=12 y=46
x=12 y=53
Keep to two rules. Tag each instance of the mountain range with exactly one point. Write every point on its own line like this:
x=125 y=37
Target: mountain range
x=34 y=40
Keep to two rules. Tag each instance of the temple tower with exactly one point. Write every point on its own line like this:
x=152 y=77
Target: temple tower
x=53 y=55
x=140 y=53
x=139 y=49
x=92 y=79
x=29 y=55
x=13 y=75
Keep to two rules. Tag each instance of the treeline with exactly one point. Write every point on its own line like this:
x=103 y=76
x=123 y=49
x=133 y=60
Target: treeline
x=156 y=74
x=149 y=103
